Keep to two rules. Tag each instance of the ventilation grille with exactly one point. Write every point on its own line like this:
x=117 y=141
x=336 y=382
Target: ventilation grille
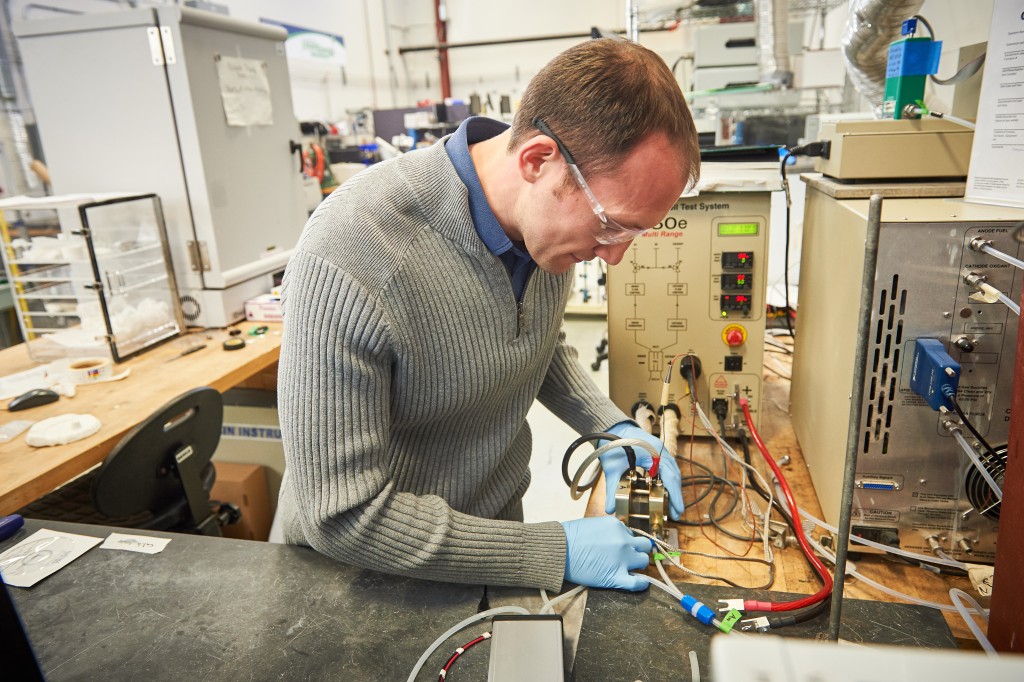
x=884 y=365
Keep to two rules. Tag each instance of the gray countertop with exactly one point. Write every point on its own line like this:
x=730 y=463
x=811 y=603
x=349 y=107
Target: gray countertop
x=218 y=609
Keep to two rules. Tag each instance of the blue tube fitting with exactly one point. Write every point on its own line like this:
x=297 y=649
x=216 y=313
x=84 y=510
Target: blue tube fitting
x=697 y=609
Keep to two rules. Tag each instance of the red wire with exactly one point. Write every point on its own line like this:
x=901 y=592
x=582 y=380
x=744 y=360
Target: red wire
x=455 y=655
x=826 y=578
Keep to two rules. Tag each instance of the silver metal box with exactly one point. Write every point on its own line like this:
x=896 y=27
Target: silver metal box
x=912 y=478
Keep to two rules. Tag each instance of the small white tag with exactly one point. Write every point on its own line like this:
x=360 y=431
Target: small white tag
x=40 y=554
x=135 y=543
x=981 y=578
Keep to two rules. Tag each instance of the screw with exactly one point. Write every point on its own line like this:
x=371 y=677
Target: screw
x=947 y=315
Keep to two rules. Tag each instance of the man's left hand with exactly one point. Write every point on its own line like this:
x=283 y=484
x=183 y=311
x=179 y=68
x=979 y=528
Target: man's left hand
x=614 y=463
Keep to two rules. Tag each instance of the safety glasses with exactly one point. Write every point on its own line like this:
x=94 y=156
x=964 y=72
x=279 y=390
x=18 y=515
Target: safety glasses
x=609 y=231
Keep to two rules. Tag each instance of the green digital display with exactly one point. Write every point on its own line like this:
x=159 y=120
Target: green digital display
x=734 y=229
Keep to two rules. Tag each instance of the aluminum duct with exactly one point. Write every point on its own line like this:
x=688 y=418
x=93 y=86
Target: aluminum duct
x=872 y=25
x=773 y=41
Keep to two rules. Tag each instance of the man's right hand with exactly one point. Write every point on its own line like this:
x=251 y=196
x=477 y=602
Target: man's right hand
x=600 y=552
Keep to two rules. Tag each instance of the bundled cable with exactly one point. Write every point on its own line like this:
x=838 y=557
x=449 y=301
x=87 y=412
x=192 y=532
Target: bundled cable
x=826 y=578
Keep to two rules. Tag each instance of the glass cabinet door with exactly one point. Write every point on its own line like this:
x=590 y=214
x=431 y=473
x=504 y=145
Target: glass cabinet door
x=128 y=248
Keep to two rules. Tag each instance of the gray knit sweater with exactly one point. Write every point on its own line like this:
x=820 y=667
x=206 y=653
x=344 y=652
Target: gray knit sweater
x=406 y=373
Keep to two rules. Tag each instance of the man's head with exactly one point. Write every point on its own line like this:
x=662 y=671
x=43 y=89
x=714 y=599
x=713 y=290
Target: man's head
x=602 y=97
x=613 y=110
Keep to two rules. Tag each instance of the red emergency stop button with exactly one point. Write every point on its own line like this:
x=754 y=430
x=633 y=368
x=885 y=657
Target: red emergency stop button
x=734 y=335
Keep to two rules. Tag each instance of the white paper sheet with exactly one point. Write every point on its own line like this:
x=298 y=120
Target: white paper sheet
x=245 y=91
x=135 y=543
x=41 y=554
x=997 y=174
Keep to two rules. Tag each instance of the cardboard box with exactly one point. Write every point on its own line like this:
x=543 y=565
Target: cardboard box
x=246 y=486
x=263 y=308
x=251 y=434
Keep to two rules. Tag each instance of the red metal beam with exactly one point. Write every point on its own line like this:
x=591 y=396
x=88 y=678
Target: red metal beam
x=1006 y=627
x=441 y=21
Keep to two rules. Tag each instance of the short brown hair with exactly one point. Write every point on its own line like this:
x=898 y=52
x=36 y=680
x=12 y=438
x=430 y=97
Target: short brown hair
x=603 y=97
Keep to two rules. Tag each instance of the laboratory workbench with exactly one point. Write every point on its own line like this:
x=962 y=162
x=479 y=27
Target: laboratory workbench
x=215 y=608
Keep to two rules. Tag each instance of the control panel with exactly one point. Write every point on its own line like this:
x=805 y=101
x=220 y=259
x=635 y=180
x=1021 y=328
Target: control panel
x=693 y=285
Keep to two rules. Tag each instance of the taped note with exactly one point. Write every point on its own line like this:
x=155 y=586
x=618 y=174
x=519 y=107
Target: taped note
x=245 y=91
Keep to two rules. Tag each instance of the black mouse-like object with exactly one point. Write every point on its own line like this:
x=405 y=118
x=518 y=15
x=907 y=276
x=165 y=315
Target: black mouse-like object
x=33 y=398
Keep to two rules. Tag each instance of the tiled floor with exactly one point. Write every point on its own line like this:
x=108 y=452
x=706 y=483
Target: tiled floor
x=548 y=497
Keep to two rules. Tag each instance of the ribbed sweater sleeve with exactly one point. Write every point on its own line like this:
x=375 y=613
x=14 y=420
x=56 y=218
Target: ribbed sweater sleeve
x=335 y=400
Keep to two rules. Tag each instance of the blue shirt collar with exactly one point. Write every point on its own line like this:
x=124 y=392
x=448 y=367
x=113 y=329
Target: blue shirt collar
x=477 y=129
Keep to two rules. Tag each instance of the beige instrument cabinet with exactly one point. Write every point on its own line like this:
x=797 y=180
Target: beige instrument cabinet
x=695 y=285
x=913 y=482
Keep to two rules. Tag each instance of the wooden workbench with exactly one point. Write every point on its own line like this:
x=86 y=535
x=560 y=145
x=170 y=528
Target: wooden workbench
x=157 y=376
x=792 y=574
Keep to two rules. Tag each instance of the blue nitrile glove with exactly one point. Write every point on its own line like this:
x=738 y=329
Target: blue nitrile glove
x=601 y=552
x=614 y=464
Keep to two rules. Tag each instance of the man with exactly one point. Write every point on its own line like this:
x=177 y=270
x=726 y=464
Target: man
x=422 y=319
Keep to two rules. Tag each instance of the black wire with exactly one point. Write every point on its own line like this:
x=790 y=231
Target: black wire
x=785 y=272
x=970 y=427
x=586 y=438
x=801 y=615
x=924 y=565
x=931 y=31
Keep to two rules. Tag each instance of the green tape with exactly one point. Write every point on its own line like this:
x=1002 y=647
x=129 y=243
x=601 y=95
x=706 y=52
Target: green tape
x=658 y=556
x=730 y=620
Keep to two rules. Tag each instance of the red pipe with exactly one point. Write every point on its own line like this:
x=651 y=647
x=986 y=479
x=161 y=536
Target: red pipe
x=442 y=53
x=1005 y=629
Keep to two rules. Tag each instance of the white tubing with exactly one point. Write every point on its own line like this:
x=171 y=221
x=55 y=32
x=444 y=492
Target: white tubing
x=475 y=618
x=851 y=569
x=661 y=586
x=549 y=604
x=1006 y=258
x=670 y=430
x=668 y=581
x=957 y=595
x=1008 y=302
x=574 y=491
x=885 y=548
x=959 y=121
x=978 y=464
x=645 y=417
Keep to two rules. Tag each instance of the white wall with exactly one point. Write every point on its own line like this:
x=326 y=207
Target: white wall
x=363 y=82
